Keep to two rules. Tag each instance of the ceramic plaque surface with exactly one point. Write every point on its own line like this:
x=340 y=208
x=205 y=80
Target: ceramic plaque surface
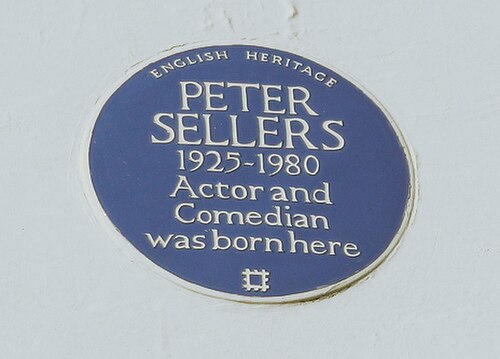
x=251 y=173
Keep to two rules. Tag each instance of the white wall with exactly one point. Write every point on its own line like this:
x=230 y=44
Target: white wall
x=68 y=291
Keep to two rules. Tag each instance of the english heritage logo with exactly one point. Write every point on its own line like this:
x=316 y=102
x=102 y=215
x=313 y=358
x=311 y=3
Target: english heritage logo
x=251 y=173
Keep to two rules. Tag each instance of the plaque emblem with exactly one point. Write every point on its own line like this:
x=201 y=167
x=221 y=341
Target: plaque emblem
x=250 y=173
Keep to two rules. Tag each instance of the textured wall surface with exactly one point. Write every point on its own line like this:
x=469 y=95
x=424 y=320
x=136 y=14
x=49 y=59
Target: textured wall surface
x=69 y=291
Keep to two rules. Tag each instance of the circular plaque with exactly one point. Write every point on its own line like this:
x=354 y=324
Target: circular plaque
x=251 y=173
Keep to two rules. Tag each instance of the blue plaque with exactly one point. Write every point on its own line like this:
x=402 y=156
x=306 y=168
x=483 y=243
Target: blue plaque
x=251 y=173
